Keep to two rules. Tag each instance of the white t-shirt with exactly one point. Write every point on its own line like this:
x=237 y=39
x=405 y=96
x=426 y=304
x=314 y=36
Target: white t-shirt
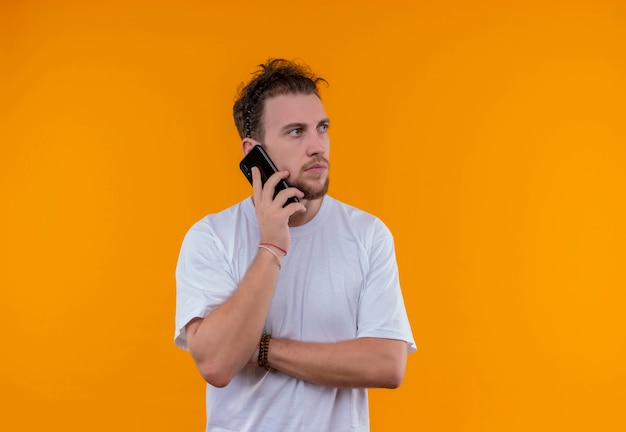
x=339 y=281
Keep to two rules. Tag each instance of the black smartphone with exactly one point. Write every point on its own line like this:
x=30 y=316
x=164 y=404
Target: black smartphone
x=258 y=157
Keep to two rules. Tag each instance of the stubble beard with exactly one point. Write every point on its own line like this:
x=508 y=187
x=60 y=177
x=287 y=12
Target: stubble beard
x=311 y=193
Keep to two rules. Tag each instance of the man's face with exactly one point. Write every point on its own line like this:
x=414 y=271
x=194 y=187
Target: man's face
x=296 y=138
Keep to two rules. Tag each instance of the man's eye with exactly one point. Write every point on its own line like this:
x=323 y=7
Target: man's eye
x=323 y=128
x=295 y=132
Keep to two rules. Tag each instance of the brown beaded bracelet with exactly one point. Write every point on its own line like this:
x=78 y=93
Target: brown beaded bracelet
x=264 y=346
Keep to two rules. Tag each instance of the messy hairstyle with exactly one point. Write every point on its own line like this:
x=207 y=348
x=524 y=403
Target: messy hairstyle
x=275 y=77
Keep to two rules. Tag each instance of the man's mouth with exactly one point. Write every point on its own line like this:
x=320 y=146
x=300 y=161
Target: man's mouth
x=317 y=166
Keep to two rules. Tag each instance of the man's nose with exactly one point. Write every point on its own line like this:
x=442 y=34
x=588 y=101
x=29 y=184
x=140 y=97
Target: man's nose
x=317 y=144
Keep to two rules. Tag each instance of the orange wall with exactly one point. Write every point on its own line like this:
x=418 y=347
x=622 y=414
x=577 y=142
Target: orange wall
x=489 y=136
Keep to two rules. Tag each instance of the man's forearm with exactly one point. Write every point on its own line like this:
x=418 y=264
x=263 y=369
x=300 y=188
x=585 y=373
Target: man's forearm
x=223 y=341
x=365 y=362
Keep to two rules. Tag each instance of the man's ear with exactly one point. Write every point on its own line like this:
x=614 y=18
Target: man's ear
x=247 y=144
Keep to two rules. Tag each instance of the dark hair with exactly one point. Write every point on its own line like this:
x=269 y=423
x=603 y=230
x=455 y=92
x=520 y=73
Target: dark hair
x=275 y=77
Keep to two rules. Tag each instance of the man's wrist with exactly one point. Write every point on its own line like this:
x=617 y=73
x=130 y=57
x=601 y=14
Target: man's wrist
x=264 y=347
x=275 y=246
x=268 y=249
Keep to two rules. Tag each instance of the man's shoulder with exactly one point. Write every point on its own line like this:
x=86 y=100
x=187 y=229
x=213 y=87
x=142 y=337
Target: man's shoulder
x=357 y=219
x=223 y=218
x=351 y=211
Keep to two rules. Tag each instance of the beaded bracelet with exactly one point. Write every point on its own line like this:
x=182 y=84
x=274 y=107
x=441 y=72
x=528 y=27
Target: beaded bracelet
x=273 y=253
x=264 y=346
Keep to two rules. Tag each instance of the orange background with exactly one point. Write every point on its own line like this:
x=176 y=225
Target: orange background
x=489 y=136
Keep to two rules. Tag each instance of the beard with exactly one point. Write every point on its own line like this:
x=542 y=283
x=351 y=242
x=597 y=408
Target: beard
x=311 y=193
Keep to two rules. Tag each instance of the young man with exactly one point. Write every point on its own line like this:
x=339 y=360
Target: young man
x=290 y=313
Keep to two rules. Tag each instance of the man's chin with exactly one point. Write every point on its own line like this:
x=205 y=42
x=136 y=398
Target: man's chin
x=313 y=193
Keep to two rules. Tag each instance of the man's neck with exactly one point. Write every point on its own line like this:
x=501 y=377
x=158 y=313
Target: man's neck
x=312 y=207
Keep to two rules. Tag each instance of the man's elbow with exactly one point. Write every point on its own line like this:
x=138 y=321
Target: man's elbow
x=395 y=378
x=392 y=375
x=394 y=369
x=215 y=375
x=214 y=370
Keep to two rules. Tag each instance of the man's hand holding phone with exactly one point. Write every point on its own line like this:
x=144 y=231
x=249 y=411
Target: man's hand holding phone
x=272 y=216
x=258 y=157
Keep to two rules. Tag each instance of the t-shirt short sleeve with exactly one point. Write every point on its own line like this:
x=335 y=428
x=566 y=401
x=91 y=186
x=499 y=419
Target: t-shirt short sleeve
x=382 y=313
x=203 y=279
